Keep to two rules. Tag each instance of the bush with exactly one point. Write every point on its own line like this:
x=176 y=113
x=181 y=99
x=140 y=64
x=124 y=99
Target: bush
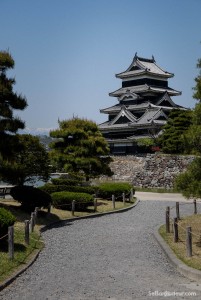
x=30 y=197
x=107 y=189
x=63 y=181
x=63 y=200
x=74 y=176
x=6 y=219
x=51 y=188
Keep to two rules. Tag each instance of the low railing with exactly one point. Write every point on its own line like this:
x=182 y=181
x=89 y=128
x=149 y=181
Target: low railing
x=30 y=224
x=191 y=234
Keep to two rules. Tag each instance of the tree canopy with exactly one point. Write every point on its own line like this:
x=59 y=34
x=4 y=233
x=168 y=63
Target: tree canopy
x=189 y=182
x=79 y=146
x=9 y=101
x=172 y=139
x=197 y=87
x=193 y=134
x=30 y=165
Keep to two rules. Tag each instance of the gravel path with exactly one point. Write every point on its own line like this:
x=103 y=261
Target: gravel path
x=110 y=257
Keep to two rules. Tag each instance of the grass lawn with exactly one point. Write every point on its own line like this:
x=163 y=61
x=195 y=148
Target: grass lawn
x=180 y=248
x=23 y=253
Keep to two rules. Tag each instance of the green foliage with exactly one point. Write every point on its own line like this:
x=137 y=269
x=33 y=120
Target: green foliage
x=9 y=124
x=9 y=101
x=145 y=144
x=63 y=200
x=6 y=61
x=197 y=88
x=52 y=188
x=80 y=147
x=172 y=140
x=189 y=182
x=63 y=181
x=193 y=134
x=107 y=189
x=6 y=219
x=31 y=163
x=30 y=197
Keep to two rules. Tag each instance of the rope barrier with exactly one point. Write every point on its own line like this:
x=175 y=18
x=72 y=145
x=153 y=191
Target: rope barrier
x=193 y=229
x=1 y=238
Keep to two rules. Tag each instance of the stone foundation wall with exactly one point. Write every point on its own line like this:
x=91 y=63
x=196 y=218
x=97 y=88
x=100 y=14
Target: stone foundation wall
x=151 y=170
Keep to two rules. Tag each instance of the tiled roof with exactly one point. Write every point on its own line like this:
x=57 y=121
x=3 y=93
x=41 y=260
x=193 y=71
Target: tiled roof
x=117 y=108
x=144 y=88
x=150 y=116
x=112 y=109
x=141 y=65
x=126 y=113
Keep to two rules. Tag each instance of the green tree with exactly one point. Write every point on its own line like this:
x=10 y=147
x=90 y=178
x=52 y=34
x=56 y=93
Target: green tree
x=197 y=88
x=172 y=139
x=193 y=134
x=30 y=165
x=79 y=146
x=189 y=182
x=9 y=101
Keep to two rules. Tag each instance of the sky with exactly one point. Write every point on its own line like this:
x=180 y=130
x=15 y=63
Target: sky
x=67 y=52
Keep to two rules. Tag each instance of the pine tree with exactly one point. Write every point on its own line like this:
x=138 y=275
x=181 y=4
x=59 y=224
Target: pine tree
x=197 y=88
x=79 y=146
x=9 y=101
x=189 y=182
x=172 y=140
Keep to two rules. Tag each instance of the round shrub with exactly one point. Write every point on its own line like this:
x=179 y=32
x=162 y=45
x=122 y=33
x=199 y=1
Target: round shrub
x=6 y=219
x=63 y=200
x=51 y=188
x=107 y=189
x=30 y=197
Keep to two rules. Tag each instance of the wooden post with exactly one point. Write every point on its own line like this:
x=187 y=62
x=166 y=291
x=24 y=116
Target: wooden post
x=176 y=234
x=188 y=241
x=95 y=204
x=73 y=207
x=32 y=223
x=34 y=217
x=195 y=206
x=26 y=231
x=36 y=212
x=167 y=217
x=177 y=211
x=131 y=195
x=113 y=201
x=124 y=198
x=11 y=242
x=49 y=208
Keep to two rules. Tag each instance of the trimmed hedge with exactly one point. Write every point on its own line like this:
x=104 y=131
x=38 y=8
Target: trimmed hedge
x=63 y=200
x=107 y=189
x=63 y=181
x=30 y=197
x=51 y=188
x=6 y=219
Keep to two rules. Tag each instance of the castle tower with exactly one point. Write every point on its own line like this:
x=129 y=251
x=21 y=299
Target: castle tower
x=144 y=103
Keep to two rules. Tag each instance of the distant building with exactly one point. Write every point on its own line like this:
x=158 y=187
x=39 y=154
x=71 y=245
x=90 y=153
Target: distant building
x=144 y=103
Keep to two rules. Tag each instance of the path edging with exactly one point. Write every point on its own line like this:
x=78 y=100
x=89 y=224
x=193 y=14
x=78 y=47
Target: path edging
x=37 y=252
x=20 y=270
x=185 y=270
